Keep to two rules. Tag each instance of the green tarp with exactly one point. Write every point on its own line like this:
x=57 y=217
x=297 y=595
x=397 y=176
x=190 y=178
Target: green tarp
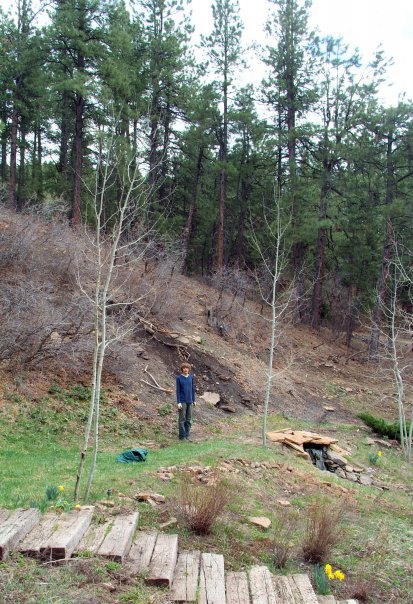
x=132 y=455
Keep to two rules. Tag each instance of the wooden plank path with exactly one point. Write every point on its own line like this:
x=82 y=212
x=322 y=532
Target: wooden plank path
x=237 y=588
x=185 y=581
x=212 y=581
x=189 y=575
x=163 y=561
x=118 y=541
x=16 y=527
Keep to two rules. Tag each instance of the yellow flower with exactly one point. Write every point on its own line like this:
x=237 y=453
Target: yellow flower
x=328 y=568
x=78 y=506
x=331 y=576
x=379 y=453
x=61 y=488
x=339 y=575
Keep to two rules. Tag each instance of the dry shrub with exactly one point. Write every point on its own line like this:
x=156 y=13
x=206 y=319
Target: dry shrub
x=285 y=527
x=322 y=530
x=199 y=506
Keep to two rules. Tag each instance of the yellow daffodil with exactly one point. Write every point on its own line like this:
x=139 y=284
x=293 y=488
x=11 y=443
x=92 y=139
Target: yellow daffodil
x=339 y=575
x=328 y=568
x=61 y=488
x=78 y=506
x=379 y=453
x=331 y=576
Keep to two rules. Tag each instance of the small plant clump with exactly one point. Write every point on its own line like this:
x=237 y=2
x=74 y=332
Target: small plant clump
x=54 y=499
x=322 y=577
x=322 y=530
x=282 y=544
x=199 y=506
x=375 y=457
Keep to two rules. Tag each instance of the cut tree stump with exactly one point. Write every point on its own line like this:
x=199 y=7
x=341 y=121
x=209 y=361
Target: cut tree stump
x=262 y=590
x=237 y=588
x=70 y=530
x=35 y=540
x=302 y=589
x=93 y=538
x=15 y=528
x=165 y=553
x=118 y=541
x=140 y=553
x=212 y=581
x=283 y=592
x=185 y=581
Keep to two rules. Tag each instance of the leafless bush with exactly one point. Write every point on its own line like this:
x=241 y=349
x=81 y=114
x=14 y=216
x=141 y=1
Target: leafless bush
x=199 y=506
x=322 y=531
x=43 y=313
x=285 y=526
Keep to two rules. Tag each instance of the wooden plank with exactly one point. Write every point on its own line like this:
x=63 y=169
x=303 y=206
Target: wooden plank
x=326 y=600
x=93 y=538
x=140 y=553
x=185 y=581
x=212 y=581
x=118 y=541
x=32 y=543
x=15 y=528
x=64 y=540
x=302 y=589
x=4 y=514
x=283 y=593
x=348 y=602
x=262 y=590
x=162 y=566
x=237 y=588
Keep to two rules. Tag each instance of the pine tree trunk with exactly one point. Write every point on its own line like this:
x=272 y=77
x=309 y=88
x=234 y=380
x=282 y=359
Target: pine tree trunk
x=78 y=161
x=21 y=201
x=320 y=253
x=13 y=157
x=3 y=175
x=192 y=208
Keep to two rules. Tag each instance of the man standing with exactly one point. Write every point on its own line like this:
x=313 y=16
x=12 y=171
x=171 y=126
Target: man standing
x=185 y=397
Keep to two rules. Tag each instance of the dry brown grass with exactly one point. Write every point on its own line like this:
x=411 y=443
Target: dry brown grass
x=322 y=530
x=199 y=506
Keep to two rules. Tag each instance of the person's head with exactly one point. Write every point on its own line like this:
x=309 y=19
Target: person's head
x=185 y=368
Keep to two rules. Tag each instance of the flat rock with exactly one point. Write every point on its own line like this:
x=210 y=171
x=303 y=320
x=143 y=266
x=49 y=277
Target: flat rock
x=146 y=496
x=211 y=398
x=336 y=458
x=284 y=503
x=261 y=521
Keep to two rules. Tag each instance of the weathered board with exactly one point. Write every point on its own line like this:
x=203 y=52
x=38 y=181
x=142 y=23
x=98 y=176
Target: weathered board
x=93 y=538
x=347 y=602
x=262 y=590
x=15 y=528
x=118 y=541
x=302 y=589
x=140 y=553
x=32 y=543
x=326 y=600
x=185 y=581
x=4 y=514
x=165 y=553
x=212 y=580
x=283 y=593
x=64 y=540
x=237 y=588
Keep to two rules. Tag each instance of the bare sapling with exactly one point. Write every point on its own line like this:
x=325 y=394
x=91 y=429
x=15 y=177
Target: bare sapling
x=274 y=262
x=400 y=319
x=118 y=242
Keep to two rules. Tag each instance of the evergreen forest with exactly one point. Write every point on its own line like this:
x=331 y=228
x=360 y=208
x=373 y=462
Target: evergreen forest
x=218 y=164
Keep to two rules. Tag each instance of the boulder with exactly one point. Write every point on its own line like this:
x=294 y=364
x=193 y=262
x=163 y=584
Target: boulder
x=336 y=458
x=211 y=398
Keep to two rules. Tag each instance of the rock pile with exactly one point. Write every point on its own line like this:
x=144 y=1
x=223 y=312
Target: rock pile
x=341 y=467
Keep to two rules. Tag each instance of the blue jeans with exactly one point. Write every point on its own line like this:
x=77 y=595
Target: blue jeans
x=185 y=420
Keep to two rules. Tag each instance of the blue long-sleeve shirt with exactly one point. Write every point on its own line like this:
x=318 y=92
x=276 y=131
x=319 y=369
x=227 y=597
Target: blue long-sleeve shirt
x=185 y=389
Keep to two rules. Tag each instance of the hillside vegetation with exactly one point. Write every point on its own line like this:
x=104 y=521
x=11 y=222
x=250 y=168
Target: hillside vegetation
x=320 y=385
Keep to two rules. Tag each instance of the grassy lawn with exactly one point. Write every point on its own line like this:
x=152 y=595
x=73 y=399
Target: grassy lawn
x=40 y=447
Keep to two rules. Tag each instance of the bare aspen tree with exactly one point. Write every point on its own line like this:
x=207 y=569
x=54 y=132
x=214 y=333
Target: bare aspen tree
x=400 y=347
x=274 y=260
x=119 y=240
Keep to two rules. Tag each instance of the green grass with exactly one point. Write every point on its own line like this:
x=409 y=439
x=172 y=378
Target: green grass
x=40 y=447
